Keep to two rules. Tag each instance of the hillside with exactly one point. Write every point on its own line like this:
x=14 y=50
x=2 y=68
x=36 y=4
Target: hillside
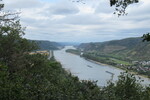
x=69 y=43
x=47 y=45
x=126 y=49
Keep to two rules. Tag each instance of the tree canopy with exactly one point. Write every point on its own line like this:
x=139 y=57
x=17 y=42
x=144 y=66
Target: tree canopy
x=13 y=47
x=121 y=5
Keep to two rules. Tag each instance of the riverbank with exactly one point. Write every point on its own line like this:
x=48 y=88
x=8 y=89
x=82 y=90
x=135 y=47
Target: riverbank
x=105 y=64
x=130 y=71
x=99 y=63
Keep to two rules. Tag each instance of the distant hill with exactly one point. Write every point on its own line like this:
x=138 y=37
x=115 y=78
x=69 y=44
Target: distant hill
x=47 y=45
x=69 y=43
x=129 y=48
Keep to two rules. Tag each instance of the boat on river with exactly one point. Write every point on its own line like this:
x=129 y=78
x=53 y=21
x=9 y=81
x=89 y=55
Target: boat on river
x=110 y=72
x=89 y=66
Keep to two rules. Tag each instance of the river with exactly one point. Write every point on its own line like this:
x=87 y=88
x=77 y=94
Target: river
x=87 y=70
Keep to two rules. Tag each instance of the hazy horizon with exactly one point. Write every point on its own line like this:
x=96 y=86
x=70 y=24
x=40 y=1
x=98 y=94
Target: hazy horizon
x=82 y=42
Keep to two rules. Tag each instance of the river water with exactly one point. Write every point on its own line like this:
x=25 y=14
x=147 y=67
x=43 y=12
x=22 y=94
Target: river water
x=87 y=70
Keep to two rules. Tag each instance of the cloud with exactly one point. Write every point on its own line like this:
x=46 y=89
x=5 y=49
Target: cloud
x=104 y=7
x=20 y=4
x=63 y=20
x=64 y=9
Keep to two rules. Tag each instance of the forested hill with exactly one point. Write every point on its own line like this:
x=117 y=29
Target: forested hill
x=47 y=45
x=129 y=48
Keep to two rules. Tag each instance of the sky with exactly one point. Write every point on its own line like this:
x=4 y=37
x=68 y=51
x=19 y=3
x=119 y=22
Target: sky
x=67 y=21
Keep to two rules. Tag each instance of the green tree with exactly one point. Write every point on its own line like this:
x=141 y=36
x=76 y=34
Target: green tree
x=121 y=5
x=13 y=46
x=146 y=37
x=126 y=88
x=11 y=42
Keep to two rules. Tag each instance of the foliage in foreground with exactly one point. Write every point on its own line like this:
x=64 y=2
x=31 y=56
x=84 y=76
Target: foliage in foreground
x=43 y=79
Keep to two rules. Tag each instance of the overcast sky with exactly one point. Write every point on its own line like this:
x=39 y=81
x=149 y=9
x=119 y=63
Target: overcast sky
x=66 y=21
